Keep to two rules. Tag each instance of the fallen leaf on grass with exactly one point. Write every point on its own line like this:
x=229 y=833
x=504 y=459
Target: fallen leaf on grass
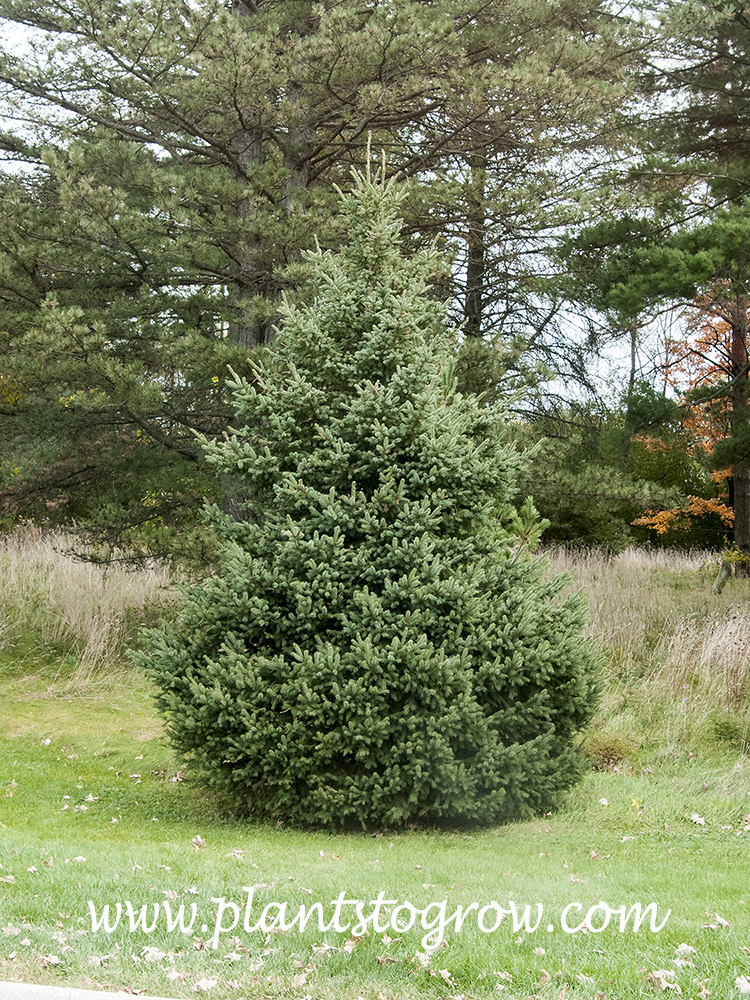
x=386 y=960
x=583 y=979
x=684 y=949
x=743 y=984
x=322 y=949
x=174 y=975
x=204 y=985
x=8 y=878
x=45 y=960
x=152 y=954
x=352 y=943
x=10 y=931
x=198 y=842
x=698 y=820
x=662 y=978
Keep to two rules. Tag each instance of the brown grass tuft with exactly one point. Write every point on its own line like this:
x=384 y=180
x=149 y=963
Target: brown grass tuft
x=91 y=611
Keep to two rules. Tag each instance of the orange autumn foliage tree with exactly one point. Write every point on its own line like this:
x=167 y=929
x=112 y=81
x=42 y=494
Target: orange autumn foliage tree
x=663 y=521
x=697 y=365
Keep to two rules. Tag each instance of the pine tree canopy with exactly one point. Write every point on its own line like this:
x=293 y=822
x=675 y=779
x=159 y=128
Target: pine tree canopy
x=380 y=645
x=170 y=161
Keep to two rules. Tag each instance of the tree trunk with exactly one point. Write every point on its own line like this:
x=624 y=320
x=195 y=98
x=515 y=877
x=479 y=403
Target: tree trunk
x=252 y=278
x=475 y=265
x=633 y=333
x=725 y=571
x=741 y=470
x=248 y=275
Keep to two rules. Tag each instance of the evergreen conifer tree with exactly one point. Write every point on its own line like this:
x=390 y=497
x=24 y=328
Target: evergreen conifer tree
x=170 y=161
x=380 y=645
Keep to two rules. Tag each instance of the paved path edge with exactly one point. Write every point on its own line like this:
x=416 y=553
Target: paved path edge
x=31 y=991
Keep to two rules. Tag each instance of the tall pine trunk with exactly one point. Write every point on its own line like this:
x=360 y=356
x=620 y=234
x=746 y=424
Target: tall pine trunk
x=252 y=276
x=476 y=241
x=741 y=470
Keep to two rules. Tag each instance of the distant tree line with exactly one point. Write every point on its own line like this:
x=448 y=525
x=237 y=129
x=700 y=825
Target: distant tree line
x=582 y=167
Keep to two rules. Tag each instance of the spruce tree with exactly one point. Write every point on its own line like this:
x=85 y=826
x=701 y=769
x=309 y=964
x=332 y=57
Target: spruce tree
x=380 y=645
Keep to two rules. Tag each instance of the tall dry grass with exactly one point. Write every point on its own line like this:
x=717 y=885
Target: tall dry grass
x=639 y=598
x=712 y=656
x=49 y=597
x=677 y=655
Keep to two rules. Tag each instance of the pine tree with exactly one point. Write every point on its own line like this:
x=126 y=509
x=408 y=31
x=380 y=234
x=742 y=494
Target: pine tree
x=172 y=160
x=685 y=248
x=380 y=645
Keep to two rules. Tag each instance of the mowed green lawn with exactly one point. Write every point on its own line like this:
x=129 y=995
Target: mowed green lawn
x=96 y=814
x=93 y=814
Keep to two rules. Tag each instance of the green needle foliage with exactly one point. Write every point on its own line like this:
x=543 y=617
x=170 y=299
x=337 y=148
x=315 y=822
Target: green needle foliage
x=380 y=645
